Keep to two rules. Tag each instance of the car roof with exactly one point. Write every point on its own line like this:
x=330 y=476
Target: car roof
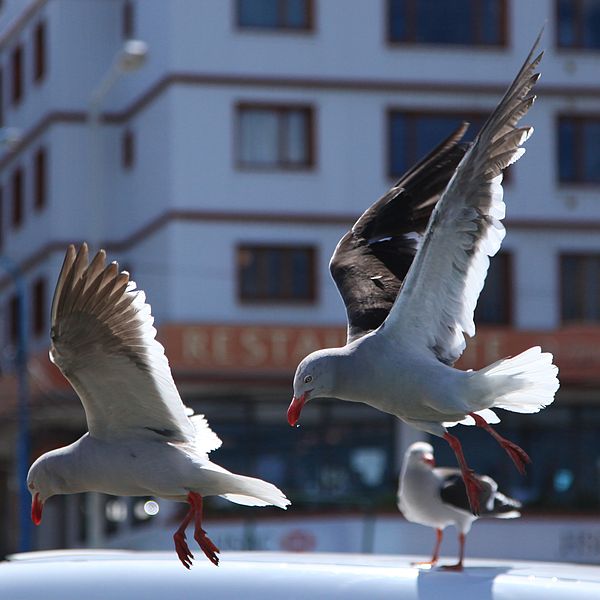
x=127 y=574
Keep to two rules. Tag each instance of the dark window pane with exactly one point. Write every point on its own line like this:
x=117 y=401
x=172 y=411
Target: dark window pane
x=493 y=306
x=578 y=24
x=17 y=74
x=128 y=21
x=566 y=23
x=566 y=154
x=39 y=309
x=580 y=288
x=14 y=310
x=127 y=149
x=276 y=273
x=591 y=151
x=17 y=198
x=40 y=179
x=39 y=54
x=272 y=14
x=591 y=24
x=461 y=22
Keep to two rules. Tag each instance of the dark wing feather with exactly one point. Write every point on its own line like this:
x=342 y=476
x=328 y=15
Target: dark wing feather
x=454 y=493
x=372 y=259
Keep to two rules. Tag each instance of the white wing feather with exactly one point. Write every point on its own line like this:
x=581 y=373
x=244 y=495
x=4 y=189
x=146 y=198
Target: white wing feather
x=436 y=304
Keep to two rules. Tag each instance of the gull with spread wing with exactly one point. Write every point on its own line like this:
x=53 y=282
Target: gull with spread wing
x=140 y=441
x=400 y=353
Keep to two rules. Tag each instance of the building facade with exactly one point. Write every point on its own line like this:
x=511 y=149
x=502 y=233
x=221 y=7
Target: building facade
x=223 y=172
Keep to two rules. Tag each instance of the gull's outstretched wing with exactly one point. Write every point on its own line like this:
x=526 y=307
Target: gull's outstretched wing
x=372 y=259
x=435 y=306
x=104 y=343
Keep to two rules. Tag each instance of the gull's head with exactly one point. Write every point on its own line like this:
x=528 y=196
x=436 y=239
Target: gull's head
x=420 y=454
x=42 y=483
x=314 y=378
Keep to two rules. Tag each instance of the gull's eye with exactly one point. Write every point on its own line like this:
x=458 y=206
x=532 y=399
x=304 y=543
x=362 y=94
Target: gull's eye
x=308 y=379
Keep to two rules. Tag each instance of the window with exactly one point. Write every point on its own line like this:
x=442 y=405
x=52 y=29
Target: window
x=578 y=24
x=127 y=149
x=415 y=134
x=17 y=198
x=276 y=273
x=127 y=30
x=275 y=137
x=17 y=75
x=275 y=14
x=579 y=149
x=580 y=288
x=494 y=304
x=460 y=22
x=40 y=186
x=39 y=51
x=13 y=318
x=39 y=307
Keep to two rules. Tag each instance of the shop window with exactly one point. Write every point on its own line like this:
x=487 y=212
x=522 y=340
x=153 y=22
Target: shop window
x=460 y=22
x=275 y=14
x=579 y=149
x=276 y=273
x=578 y=24
x=580 y=288
x=277 y=137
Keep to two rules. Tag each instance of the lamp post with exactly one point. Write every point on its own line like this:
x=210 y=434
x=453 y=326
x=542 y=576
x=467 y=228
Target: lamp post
x=21 y=364
x=130 y=58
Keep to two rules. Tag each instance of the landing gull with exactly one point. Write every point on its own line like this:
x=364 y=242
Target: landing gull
x=400 y=359
x=140 y=441
x=436 y=497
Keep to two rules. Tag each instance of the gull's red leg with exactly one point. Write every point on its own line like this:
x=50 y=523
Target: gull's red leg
x=459 y=565
x=436 y=551
x=472 y=485
x=516 y=453
x=199 y=534
x=181 y=547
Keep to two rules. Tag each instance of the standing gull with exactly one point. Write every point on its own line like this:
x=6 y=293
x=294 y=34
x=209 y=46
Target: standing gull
x=140 y=440
x=436 y=497
x=405 y=365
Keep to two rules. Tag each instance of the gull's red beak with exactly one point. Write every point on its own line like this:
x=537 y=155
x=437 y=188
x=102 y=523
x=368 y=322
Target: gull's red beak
x=429 y=460
x=295 y=408
x=36 y=509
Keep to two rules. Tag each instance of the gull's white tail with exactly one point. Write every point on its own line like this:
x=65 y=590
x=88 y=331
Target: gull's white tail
x=526 y=382
x=256 y=492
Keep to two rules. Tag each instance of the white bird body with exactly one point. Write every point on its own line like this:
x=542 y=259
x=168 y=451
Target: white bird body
x=402 y=361
x=141 y=441
x=436 y=497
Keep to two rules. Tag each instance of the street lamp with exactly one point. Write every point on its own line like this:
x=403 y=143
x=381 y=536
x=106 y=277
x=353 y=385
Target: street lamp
x=130 y=58
x=21 y=364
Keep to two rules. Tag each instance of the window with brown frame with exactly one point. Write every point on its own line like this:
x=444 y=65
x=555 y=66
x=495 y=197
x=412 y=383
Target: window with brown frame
x=1 y=218
x=40 y=184
x=39 y=51
x=17 y=74
x=127 y=149
x=272 y=136
x=39 y=308
x=13 y=318
x=579 y=149
x=580 y=288
x=412 y=135
x=578 y=24
x=128 y=16
x=460 y=22
x=17 y=197
x=275 y=14
x=276 y=273
x=494 y=306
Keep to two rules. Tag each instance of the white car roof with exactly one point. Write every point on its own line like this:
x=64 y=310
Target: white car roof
x=91 y=575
